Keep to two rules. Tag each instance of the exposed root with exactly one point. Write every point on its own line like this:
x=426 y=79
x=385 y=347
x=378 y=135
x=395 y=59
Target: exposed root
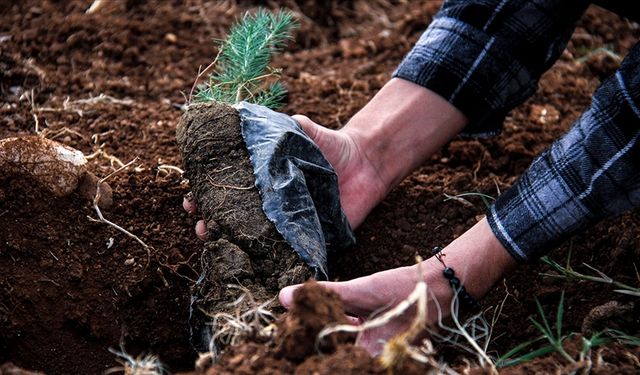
x=400 y=347
x=223 y=186
x=102 y=219
x=54 y=134
x=141 y=365
x=29 y=97
x=113 y=161
x=96 y=137
x=97 y=4
x=74 y=106
x=167 y=169
x=472 y=331
x=201 y=73
x=231 y=329
x=102 y=98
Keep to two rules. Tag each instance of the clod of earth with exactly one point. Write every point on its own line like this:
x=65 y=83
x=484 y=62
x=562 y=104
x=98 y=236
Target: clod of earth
x=294 y=348
x=243 y=245
x=57 y=168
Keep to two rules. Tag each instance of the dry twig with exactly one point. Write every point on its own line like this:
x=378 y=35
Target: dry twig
x=400 y=347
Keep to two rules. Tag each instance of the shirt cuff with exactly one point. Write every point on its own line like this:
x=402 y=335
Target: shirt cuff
x=471 y=70
x=589 y=174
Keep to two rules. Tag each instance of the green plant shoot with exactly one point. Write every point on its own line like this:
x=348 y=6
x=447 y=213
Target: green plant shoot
x=241 y=70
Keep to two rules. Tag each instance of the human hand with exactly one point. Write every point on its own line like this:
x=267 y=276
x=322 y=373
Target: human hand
x=361 y=187
x=400 y=128
x=477 y=257
x=363 y=297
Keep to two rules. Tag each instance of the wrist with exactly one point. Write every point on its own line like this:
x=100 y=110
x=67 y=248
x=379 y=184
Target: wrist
x=478 y=259
x=401 y=127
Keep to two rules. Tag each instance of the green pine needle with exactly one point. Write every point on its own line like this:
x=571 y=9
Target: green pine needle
x=242 y=69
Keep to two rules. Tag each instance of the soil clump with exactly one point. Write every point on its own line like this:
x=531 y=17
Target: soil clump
x=294 y=348
x=243 y=247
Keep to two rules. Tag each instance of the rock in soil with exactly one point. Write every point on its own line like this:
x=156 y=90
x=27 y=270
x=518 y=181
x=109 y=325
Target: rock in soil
x=58 y=168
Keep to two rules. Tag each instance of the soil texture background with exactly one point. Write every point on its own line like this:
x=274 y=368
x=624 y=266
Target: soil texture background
x=111 y=84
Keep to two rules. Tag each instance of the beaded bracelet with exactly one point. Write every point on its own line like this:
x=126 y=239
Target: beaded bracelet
x=468 y=302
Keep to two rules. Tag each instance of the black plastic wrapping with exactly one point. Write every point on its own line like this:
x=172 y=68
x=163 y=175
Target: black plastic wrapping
x=298 y=186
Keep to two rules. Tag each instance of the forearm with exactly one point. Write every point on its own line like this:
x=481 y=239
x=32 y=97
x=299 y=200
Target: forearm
x=486 y=56
x=477 y=257
x=401 y=127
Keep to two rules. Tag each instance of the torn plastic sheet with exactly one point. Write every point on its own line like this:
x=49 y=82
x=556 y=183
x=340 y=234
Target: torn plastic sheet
x=298 y=186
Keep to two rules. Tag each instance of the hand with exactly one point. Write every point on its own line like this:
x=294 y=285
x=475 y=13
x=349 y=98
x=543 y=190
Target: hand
x=477 y=257
x=400 y=128
x=361 y=186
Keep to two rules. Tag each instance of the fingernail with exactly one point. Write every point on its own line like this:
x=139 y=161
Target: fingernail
x=286 y=296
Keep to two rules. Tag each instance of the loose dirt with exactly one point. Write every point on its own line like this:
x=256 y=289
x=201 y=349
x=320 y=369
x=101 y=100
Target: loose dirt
x=71 y=287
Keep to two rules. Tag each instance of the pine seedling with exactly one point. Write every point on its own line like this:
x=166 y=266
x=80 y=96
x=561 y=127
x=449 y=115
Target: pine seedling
x=241 y=69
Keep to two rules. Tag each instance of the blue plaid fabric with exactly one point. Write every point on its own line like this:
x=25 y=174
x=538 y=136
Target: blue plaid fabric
x=486 y=57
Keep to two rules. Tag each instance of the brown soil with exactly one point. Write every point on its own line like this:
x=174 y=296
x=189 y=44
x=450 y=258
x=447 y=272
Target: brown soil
x=71 y=288
x=295 y=350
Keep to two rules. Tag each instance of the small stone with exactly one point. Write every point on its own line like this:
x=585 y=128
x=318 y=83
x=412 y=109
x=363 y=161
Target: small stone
x=129 y=261
x=170 y=37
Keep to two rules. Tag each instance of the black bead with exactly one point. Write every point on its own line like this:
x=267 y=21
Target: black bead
x=448 y=272
x=455 y=282
x=436 y=250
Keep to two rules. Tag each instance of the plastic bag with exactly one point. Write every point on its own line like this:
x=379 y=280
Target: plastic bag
x=298 y=186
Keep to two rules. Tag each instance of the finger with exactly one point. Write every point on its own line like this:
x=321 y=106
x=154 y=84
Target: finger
x=189 y=204
x=286 y=295
x=309 y=127
x=351 y=305
x=201 y=230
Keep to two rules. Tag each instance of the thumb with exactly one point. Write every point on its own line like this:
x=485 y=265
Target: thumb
x=286 y=295
x=311 y=128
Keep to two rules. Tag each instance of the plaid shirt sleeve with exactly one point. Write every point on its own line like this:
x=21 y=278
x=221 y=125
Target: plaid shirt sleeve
x=486 y=57
x=591 y=173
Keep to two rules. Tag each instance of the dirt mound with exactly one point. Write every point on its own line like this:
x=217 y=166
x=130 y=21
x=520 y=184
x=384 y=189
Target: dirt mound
x=294 y=349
